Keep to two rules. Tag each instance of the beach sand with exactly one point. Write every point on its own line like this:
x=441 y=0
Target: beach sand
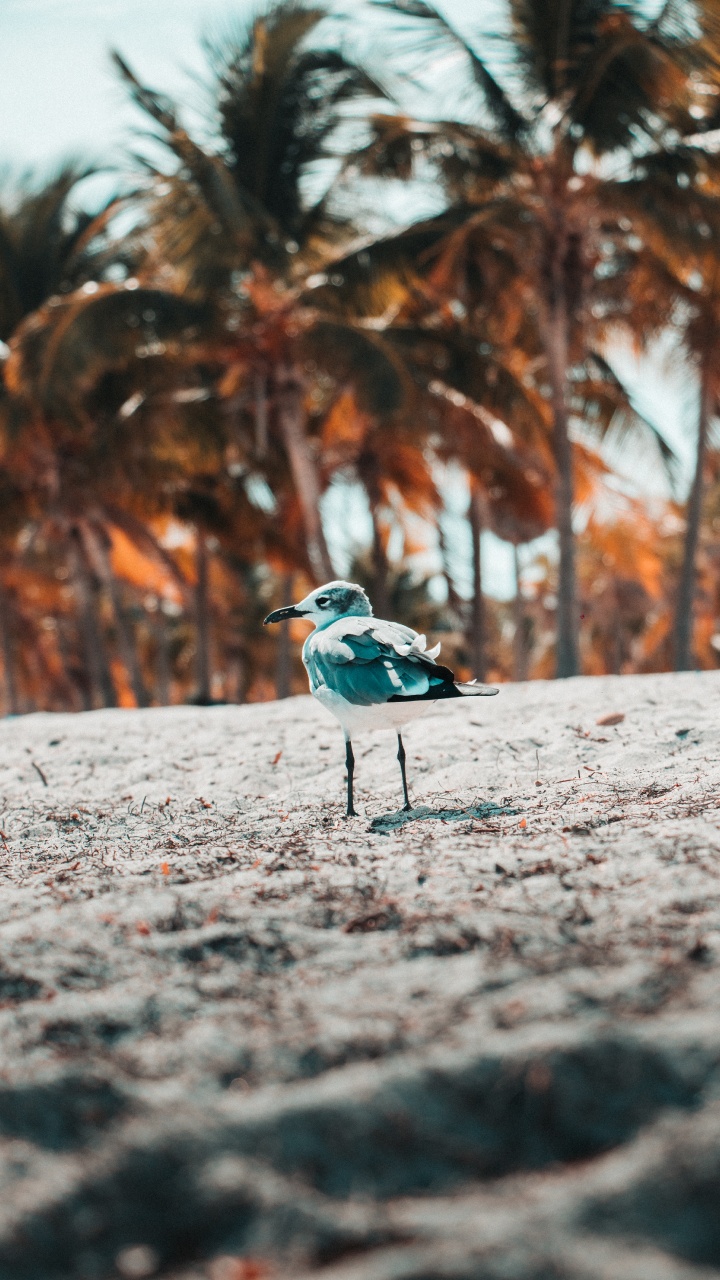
x=242 y=1037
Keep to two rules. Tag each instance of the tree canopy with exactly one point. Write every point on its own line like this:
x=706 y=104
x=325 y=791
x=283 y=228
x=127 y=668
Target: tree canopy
x=245 y=368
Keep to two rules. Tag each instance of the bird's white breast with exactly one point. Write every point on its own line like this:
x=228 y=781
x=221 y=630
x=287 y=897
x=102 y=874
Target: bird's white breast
x=359 y=719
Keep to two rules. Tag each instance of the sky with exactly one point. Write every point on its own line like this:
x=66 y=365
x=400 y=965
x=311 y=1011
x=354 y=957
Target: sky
x=59 y=97
x=58 y=93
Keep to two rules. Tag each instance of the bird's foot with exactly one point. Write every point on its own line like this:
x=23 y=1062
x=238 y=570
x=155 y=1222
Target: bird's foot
x=351 y=813
x=406 y=807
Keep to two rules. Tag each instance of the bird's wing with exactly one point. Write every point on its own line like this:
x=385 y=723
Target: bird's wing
x=368 y=661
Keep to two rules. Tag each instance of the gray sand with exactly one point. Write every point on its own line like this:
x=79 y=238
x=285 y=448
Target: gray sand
x=479 y=1041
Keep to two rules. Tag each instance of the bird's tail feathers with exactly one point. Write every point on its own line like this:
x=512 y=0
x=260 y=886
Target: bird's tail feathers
x=474 y=690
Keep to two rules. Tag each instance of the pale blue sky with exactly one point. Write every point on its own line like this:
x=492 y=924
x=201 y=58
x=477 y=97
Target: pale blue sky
x=58 y=94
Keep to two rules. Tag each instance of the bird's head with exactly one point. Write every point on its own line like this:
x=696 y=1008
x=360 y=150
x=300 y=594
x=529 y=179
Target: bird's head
x=326 y=604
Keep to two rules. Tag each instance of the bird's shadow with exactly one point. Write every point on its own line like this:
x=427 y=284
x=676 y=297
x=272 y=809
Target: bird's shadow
x=388 y=822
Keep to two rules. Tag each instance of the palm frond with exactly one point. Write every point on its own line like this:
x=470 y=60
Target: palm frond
x=277 y=102
x=615 y=76
x=469 y=161
x=552 y=38
x=505 y=115
x=46 y=244
x=616 y=417
x=61 y=352
x=377 y=273
x=358 y=358
x=206 y=170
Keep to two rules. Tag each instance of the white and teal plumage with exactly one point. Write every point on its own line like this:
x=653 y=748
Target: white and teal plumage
x=370 y=674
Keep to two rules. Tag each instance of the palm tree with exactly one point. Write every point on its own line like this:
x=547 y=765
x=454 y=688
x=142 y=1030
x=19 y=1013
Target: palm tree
x=474 y=375
x=277 y=105
x=387 y=455
x=533 y=179
x=676 y=275
x=48 y=246
x=232 y=221
x=702 y=337
x=90 y=453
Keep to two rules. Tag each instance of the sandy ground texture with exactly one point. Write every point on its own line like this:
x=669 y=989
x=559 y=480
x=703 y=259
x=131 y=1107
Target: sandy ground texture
x=241 y=1037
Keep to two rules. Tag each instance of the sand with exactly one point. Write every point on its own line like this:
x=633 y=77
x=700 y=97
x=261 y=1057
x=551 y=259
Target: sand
x=242 y=1037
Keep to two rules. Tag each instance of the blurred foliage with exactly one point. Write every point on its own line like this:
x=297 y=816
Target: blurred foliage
x=197 y=375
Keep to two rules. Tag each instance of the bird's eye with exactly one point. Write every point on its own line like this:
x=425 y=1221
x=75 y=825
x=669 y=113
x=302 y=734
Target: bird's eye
x=322 y=601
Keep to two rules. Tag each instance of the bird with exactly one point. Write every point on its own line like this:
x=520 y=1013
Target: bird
x=369 y=673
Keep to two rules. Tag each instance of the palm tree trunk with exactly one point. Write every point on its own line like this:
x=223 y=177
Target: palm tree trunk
x=261 y=414
x=144 y=538
x=477 y=611
x=283 y=669
x=520 y=647
x=80 y=694
x=556 y=347
x=203 y=697
x=162 y=658
x=454 y=598
x=381 y=568
x=125 y=636
x=688 y=573
x=291 y=416
x=381 y=571
x=12 y=705
x=241 y=676
x=86 y=595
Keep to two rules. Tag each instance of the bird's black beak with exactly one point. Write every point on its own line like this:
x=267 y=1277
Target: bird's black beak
x=279 y=615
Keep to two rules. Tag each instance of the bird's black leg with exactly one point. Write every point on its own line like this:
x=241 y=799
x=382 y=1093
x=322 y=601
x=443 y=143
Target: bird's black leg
x=350 y=765
x=401 y=758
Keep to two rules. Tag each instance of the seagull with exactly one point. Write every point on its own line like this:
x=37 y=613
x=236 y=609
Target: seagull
x=370 y=674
